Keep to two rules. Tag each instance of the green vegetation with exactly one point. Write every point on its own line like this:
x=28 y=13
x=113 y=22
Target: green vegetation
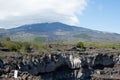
x=40 y=46
x=14 y=46
x=25 y=47
x=80 y=45
x=7 y=39
x=11 y=46
x=102 y=45
x=40 y=39
x=83 y=36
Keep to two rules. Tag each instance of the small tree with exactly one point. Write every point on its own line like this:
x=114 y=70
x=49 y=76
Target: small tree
x=80 y=45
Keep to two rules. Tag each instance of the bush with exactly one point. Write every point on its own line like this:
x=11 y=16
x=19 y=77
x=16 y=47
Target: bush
x=11 y=46
x=35 y=46
x=80 y=45
x=25 y=47
x=39 y=46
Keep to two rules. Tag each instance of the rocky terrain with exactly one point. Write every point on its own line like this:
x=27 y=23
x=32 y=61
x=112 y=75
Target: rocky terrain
x=66 y=64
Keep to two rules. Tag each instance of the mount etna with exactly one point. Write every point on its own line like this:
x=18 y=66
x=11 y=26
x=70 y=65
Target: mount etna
x=57 y=32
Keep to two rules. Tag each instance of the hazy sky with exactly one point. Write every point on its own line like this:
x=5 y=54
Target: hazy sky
x=101 y=15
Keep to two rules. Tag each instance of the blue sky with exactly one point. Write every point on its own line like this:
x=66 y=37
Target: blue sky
x=103 y=15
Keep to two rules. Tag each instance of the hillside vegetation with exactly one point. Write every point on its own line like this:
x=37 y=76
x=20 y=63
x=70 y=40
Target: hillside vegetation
x=26 y=47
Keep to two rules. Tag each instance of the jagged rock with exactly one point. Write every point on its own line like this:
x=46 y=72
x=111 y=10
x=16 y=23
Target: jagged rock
x=47 y=65
x=79 y=74
x=103 y=61
x=117 y=59
x=1 y=64
x=73 y=63
x=50 y=67
x=98 y=61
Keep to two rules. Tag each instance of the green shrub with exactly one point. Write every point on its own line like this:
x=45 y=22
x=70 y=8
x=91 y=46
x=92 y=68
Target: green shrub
x=11 y=46
x=80 y=45
x=25 y=47
x=39 y=46
x=35 y=46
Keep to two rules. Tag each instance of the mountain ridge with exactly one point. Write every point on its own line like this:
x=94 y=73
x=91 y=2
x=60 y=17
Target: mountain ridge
x=58 y=32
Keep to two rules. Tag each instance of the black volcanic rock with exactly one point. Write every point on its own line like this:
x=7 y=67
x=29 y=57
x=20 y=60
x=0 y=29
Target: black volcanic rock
x=63 y=66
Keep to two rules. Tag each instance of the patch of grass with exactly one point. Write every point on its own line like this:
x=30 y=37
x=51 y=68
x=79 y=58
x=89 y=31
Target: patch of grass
x=102 y=45
x=40 y=46
x=40 y=39
x=82 y=35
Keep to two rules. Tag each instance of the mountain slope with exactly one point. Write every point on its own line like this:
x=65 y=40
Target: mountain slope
x=44 y=27
x=53 y=32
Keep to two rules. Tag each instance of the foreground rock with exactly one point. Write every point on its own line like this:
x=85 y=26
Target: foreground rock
x=59 y=66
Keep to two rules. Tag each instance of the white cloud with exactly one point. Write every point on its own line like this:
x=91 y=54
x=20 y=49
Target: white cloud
x=19 y=12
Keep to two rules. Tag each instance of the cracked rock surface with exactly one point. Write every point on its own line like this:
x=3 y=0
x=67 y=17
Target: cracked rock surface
x=69 y=65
